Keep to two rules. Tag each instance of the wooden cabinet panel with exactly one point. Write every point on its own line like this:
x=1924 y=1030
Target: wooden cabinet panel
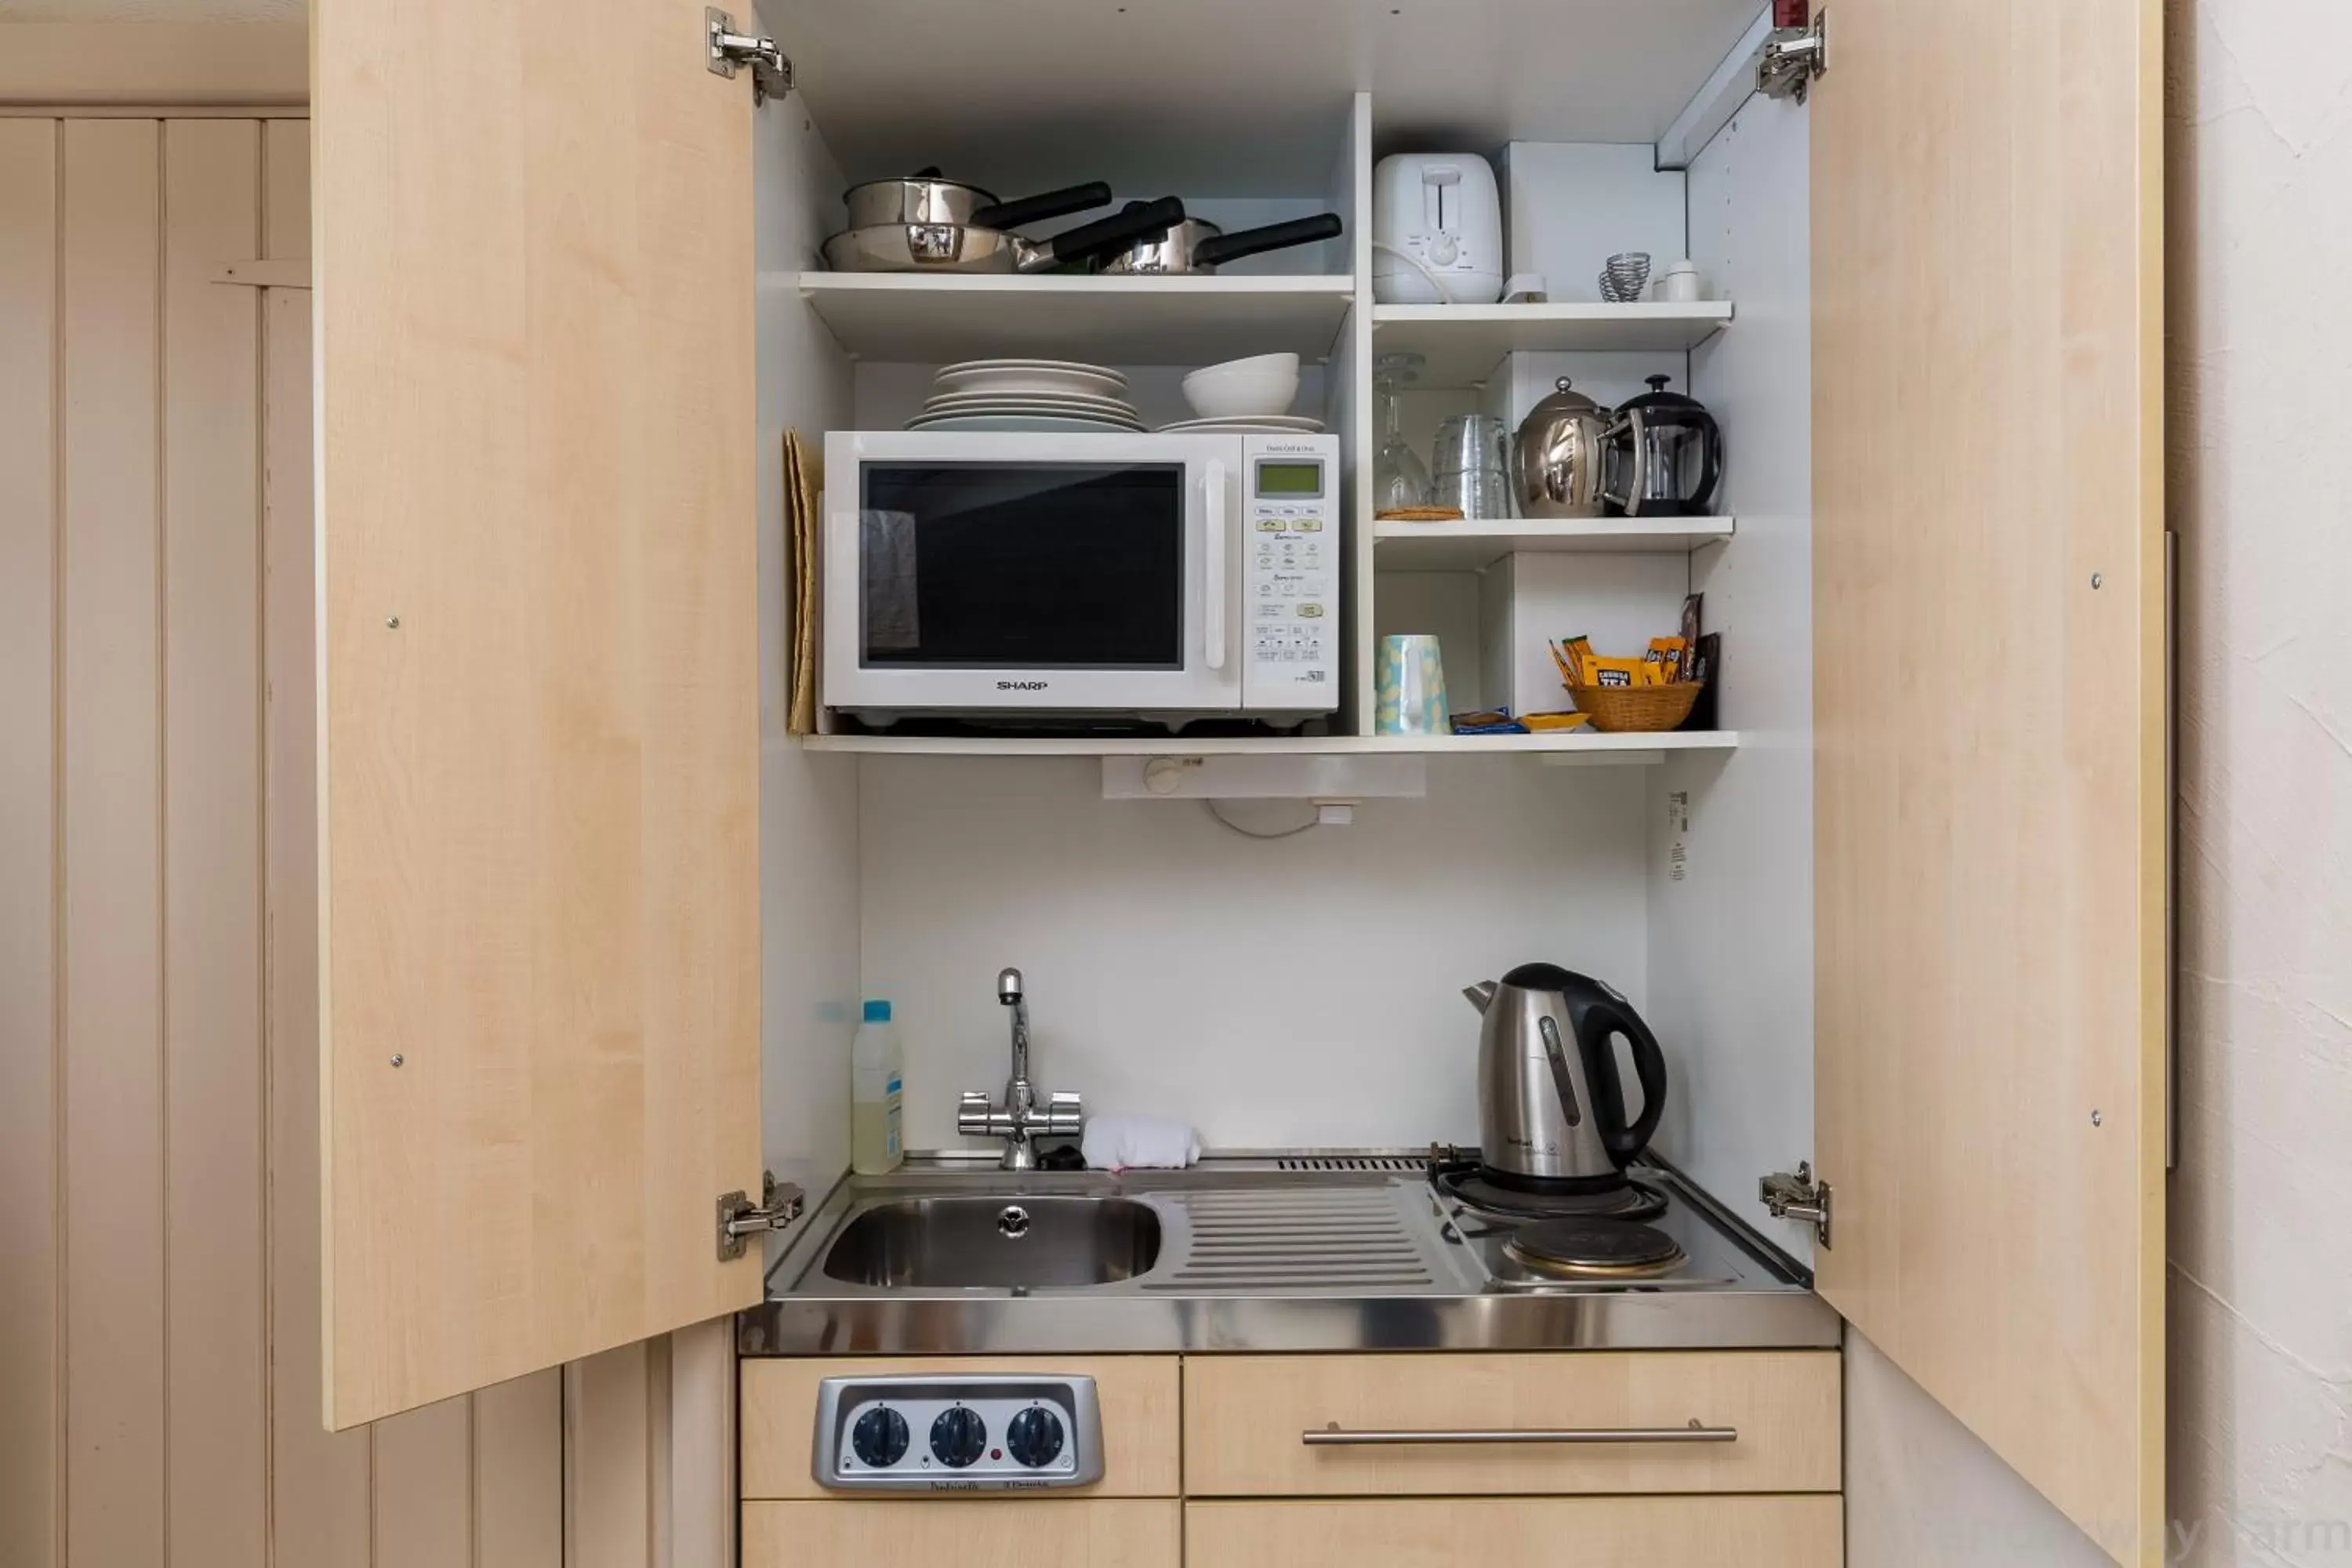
x=1096 y=1532
x=1990 y=694
x=1591 y=1532
x=539 y=751
x=1245 y=1418
x=1138 y=1397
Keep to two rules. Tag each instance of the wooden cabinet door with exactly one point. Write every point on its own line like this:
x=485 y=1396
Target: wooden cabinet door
x=1990 y=697
x=540 y=769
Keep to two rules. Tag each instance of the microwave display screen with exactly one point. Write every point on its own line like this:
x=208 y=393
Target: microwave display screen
x=1290 y=479
x=1022 y=566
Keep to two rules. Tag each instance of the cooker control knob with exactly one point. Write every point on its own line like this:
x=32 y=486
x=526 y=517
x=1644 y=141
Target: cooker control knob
x=958 y=1437
x=1034 y=1437
x=880 y=1438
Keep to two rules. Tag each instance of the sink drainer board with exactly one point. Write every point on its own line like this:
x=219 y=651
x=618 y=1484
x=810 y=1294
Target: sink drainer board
x=1387 y=1164
x=1312 y=1238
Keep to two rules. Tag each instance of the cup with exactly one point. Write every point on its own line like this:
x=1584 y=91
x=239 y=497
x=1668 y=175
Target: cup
x=1681 y=283
x=1409 y=690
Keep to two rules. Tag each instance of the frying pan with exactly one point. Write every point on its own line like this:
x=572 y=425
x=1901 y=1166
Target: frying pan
x=1197 y=244
x=968 y=248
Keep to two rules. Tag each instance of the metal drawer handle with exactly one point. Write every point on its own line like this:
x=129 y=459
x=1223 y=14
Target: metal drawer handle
x=1332 y=1436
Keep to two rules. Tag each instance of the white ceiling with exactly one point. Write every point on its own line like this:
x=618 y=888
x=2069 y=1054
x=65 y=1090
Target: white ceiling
x=154 y=10
x=1032 y=92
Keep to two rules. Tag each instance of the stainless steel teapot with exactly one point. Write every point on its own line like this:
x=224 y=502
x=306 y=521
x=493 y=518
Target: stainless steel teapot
x=1556 y=462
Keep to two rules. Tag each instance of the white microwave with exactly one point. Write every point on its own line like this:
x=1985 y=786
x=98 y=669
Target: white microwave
x=1160 y=577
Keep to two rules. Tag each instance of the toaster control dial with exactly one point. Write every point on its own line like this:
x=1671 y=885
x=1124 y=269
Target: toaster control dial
x=958 y=1437
x=880 y=1438
x=1034 y=1437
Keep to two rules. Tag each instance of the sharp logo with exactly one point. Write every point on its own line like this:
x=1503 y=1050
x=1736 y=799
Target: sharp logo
x=1022 y=685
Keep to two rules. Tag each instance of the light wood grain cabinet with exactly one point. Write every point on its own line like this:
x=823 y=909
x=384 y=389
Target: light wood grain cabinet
x=1589 y=1532
x=1245 y=1418
x=1100 y=1532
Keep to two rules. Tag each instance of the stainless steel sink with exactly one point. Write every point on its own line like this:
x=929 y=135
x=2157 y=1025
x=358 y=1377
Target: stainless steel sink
x=1026 y=1242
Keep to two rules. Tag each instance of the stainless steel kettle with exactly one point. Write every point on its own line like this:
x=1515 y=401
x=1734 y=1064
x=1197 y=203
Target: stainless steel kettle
x=1552 y=1106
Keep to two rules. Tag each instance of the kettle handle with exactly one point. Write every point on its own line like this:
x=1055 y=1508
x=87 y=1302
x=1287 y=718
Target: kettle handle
x=1602 y=1017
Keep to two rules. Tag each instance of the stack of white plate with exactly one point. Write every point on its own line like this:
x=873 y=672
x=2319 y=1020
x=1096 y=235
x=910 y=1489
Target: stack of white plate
x=1028 y=394
x=1260 y=425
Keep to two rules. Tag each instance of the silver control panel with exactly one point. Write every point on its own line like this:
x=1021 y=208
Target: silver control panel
x=971 y=1433
x=1291 y=542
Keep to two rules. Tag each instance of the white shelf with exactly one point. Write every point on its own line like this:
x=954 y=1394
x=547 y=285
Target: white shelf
x=1463 y=342
x=1576 y=745
x=1474 y=546
x=937 y=320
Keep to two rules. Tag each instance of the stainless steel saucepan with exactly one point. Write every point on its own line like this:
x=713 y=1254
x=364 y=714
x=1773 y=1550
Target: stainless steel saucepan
x=925 y=224
x=1197 y=244
x=925 y=197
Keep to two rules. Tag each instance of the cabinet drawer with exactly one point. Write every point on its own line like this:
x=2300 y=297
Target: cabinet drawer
x=1247 y=1417
x=1096 y=1532
x=1138 y=1417
x=1591 y=1532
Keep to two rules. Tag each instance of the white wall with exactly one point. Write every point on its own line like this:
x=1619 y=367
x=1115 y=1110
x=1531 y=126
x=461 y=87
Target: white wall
x=1732 y=951
x=2259 y=121
x=1297 y=993
x=808 y=803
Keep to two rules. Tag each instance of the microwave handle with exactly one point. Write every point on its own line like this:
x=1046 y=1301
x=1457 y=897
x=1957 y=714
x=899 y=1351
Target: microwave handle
x=1213 y=606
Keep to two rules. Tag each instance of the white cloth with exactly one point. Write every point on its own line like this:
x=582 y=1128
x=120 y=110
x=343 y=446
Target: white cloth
x=1139 y=1143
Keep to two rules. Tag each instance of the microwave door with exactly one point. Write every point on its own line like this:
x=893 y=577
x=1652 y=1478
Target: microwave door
x=975 y=573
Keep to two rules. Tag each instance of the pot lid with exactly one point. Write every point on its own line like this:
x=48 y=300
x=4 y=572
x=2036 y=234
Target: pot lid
x=1659 y=400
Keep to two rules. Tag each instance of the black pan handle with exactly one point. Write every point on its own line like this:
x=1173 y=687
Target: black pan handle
x=1147 y=221
x=1272 y=237
x=1601 y=1018
x=1037 y=209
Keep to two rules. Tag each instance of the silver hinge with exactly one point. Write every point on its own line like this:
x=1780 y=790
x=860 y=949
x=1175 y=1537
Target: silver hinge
x=771 y=73
x=1800 y=1196
x=740 y=1219
x=1793 y=57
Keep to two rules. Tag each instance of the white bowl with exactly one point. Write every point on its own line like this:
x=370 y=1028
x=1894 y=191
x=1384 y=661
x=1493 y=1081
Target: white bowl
x=1244 y=388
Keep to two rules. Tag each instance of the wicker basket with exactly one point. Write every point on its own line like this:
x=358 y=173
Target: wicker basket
x=1637 y=709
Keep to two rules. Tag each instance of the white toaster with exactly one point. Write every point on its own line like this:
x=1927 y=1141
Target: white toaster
x=1441 y=210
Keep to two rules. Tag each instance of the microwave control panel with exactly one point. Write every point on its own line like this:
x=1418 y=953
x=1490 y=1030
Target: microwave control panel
x=1291 y=544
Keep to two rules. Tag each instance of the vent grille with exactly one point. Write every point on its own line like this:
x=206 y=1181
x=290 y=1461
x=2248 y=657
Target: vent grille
x=1313 y=1238
x=1385 y=1164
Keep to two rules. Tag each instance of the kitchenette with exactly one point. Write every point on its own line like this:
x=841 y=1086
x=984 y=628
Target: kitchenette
x=1331 y=815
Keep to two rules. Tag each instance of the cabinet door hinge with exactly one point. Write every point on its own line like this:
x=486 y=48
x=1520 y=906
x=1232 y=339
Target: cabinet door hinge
x=771 y=73
x=740 y=1219
x=1793 y=57
x=1800 y=1196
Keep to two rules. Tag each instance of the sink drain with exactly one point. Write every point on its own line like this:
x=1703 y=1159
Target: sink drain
x=1014 y=1222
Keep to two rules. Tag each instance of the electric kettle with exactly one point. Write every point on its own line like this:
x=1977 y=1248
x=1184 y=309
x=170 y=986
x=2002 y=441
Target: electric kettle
x=1552 y=1106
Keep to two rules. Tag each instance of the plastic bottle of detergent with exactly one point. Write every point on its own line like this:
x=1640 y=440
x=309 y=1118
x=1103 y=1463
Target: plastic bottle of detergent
x=875 y=1095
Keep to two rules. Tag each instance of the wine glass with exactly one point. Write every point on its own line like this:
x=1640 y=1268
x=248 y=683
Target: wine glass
x=1399 y=478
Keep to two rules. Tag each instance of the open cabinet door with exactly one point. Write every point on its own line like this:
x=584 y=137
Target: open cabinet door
x=1989 y=699
x=539 y=770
